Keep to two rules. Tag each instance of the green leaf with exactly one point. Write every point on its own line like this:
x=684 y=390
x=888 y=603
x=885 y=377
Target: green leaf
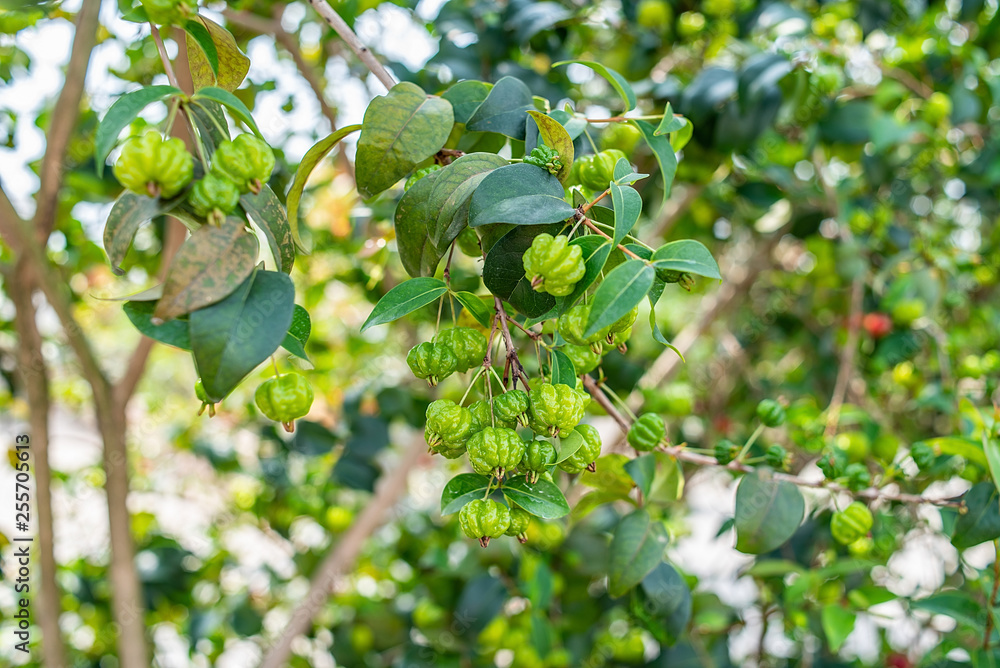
x=461 y=489
x=668 y=598
x=400 y=129
x=981 y=521
x=232 y=337
x=596 y=250
x=129 y=212
x=231 y=102
x=306 y=167
x=610 y=475
x=210 y=119
x=768 y=512
x=642 y=470
x=266 y=211
x=417 y=252
x=624 y=174
x=616 y=80
x=555 y=136
x=465 y=98
x=663 y=151
x=955 y=604
x=562 y=369
x=680 y=139
x=503 y=272
x=543 y=499
x=173 y=333
x=122 y=112
x=991 y=448
x=519 y=194
x=504 y=110
x=212 y=263
x=628 y=206
x=203 y=38
x=624 y=287
x=838 y=623
x=232 y=63
x=670 y=122
x=963 y=447
x=636 y=549
x=568 y=445
x=689 y=256
x=668 y=483
x=476 y=307
x=405 y=298
x=298 y=333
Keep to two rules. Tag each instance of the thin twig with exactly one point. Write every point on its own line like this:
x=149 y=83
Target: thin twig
x=846 y=368
x=589 y=223
x=164 y=58
x=513 y=362
x=330 y=15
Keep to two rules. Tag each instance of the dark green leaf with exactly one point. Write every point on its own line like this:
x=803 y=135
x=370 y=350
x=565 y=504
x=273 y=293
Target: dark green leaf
x=203 y=38
x=266 y=211
x=405 y=298
x=503 y=272
x=129 y=212
x=173 y=333
x=562 y=369
x=476 y=307
x=233 y=64
x=543 y=499
x=981 y=521
x=628 y=206
x=232 y=337
x=504 y=110
x=689 y=256
x=663 y=151
x=298 y=333
x=616 y=80
x=642 y=470
x=636 y=549
x=208 y=266
x=231 y=102
x=401 y=129
x=520 y=194
x=621 y=290
x=461 y=489
x=306 y=166
x=122 y=112
x=414 y=215
x=668 y=599
x=466 y=96
x=768 y=512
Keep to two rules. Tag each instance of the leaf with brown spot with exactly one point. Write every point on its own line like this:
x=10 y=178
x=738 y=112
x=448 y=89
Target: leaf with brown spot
x=209 y=266
x=233 y=64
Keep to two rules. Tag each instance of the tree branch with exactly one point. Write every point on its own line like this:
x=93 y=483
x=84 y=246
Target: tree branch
x=342 y=558
x=846 y=368
x=330 y=15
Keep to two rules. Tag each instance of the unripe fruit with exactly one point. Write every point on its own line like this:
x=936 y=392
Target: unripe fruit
x=213 y=196
x=770 y=413
x=647 y=432
x=284 y=398
x=495 y=450
x=247 y=161
x=538 y=457
x=484 y=520
x=519 y=520
x=468 y=344
x=584 y=458
x=432 y=361
x=851 y=524
x=905 y=312
x=557 y=408
x=150 y=166
x=553 y=265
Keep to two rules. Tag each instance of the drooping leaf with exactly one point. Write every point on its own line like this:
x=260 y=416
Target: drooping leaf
x=405 y=298
x=400 y=129
x=628 y=206
x=208 y=266
x=838 y=623
x=196 y=30
x=461 y=489
x=266 y=211
x=621 y=290
x=688 y=256
x=231 y=102
x=466 y=96
x=981 y=521
x=129 y=212
x=414 y=212
x=668 y=599
x=172 y=333
x=503 y=272
x=298 y=333
x=663 y=151
x=636 y=549
x=306 y=167
x=562 y=369
x=616 y=80
x=504 y=110
x=768 y=512
x=520 y=194
x=556 y=137
x=642 y=470
x=233 y=64
x=476 y=307
x=122 y=112
x=230 y=338
x=543 y=499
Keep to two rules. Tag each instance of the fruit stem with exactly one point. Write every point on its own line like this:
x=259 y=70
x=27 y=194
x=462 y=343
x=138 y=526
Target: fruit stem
x=589 y=223
x=471 y=384
x=750 y=441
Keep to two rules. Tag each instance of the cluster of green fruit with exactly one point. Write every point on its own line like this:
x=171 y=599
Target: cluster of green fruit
x=284 y=398
x=152 y=166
